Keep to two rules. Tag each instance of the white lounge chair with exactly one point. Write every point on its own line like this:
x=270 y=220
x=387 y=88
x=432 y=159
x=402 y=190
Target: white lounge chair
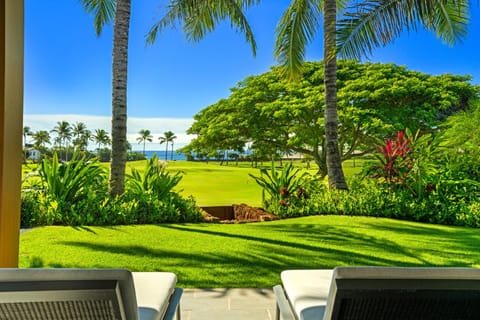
x=379 y=293
x=88 y=294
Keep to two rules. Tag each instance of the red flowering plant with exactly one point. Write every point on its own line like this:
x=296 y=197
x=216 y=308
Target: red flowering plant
x=395 y=160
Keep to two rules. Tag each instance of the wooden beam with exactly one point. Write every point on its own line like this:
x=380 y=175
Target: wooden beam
x=11 y=127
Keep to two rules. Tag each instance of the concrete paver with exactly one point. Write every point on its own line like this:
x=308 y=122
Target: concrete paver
x=231 y=304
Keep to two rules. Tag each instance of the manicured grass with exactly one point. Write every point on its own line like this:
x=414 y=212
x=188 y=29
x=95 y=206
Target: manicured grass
x=212 y=184
x=251 y=255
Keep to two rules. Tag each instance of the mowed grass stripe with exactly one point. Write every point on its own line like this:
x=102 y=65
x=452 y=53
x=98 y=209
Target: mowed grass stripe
x=251 y=255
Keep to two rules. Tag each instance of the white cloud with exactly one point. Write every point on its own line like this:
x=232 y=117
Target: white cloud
x=157 y=126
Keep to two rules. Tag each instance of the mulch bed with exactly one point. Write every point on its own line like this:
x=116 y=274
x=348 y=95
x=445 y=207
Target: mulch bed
x=244 y=213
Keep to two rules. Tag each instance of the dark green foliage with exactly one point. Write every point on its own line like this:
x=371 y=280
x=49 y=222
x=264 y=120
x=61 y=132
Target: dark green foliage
x=75 y=193
x=374 y=100
x=286 y=188
x=154 y=179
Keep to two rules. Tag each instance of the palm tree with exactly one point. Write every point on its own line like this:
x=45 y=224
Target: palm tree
x=101 y=138
x=145 y=135
x=200 y=16
x=172 y=137
x=41 y=138
x=371 y=24
x=104 y=12
x=64 y=134
x=168 y=137
x=295 y=30
x=78 y=130
x=26 y=132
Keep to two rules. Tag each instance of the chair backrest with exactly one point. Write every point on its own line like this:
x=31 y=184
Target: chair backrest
x=374 y=293
x=67 y=294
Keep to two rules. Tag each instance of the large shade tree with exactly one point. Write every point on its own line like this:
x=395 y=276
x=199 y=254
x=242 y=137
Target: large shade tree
x=374 y=100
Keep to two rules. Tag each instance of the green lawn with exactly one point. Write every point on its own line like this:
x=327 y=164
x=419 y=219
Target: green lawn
x=213 y=184
x=251 y=255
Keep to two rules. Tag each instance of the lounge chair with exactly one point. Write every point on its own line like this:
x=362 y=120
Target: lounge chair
x=87 y=294
x=379 y=293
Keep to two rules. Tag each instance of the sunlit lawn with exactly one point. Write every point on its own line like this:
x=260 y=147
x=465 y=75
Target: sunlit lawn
x=214 y=184
x=251 y=255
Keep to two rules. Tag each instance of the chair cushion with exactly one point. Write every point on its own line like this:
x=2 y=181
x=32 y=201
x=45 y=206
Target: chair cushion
x=307 y=291
x=153 y=291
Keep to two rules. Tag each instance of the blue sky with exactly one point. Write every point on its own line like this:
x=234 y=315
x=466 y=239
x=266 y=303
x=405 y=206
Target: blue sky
x=68 y=69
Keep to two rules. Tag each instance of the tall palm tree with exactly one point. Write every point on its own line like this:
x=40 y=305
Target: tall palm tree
x=295 y=30
x=374 y=22
x=41 y=138
x=101 y=138
x=168 y=137
x=64 y=135
x=78 y=130
x=104 y=12
x=145 y=135
x=26 y=133
x=172 y=138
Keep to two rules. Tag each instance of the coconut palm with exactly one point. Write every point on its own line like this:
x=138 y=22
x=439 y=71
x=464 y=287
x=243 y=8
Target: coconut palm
x=295 y=30
x=64 y=135
x=145 y=136
x=172 y=138
x=26 y=133
x=78 y=130
x=104 y=12
x=41 y=138
x=167 y=138
x=371 y=24
x=101 y=138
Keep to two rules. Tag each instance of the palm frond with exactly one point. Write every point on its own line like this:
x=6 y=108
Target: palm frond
x=103 y=12
x=199 y=17
x=370 y=24
x=295 y=31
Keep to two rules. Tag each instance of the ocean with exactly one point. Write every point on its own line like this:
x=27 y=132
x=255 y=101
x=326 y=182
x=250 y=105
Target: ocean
x=161 y=155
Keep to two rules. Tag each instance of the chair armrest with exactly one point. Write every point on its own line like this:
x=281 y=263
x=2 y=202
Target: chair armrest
x=174 y=305
x=284 y=309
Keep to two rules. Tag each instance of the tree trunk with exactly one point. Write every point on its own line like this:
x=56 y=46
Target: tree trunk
x=336 y=179
x=119 y=97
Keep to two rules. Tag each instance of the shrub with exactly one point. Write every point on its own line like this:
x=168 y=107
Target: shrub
x=286 y=189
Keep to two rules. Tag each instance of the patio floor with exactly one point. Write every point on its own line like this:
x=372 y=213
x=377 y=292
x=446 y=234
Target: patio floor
x=232 y=304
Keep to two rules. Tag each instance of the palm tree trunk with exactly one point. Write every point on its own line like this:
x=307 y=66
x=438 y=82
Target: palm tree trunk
x=166 y=150
x=336 y=179
x=171 y=157
x=119 y=97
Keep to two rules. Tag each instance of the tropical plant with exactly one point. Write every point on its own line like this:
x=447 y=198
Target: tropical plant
x=283 y=187
x=26 y=133
x=101 y=138
x=69 y=182
x=63 y=129
x=155 y=179
x=370 y=24
x=145 y=135
x=168 y=137
x=80 y=135
x=104 y=12
x=295 y=30
x=41 y=138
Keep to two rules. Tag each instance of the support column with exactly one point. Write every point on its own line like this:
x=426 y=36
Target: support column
x=11 y=127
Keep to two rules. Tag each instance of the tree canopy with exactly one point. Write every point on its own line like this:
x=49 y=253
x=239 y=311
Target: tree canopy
x=374 y=100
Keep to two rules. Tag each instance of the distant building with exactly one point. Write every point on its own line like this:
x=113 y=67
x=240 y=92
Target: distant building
x=34 y=154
